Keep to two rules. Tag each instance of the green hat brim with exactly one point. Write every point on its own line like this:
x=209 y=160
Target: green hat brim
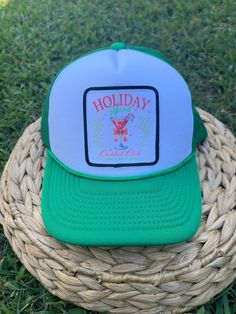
x=162 y=209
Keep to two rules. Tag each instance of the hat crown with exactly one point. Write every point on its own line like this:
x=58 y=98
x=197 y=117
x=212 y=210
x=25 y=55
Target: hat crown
x=95 y=95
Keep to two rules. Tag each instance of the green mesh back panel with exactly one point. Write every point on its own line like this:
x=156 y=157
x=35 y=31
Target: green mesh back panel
x=152 y=52
x=199 y=132
x=44 y=124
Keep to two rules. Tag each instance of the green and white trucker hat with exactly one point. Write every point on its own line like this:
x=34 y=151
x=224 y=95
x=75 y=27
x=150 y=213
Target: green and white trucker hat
x=121 y=135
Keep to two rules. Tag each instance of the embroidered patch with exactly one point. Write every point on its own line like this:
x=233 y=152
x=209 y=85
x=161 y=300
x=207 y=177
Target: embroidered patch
x=121 y=126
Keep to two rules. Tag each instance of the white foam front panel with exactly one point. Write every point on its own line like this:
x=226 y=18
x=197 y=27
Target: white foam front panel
x=70 y=105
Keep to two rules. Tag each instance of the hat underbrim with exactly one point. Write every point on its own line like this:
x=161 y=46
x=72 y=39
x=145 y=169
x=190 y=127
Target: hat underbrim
x=162 y=209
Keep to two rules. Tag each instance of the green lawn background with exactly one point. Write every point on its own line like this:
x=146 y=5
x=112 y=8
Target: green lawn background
x=37 y=38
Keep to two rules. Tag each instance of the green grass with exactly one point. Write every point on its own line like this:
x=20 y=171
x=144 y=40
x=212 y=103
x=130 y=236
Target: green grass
x=38 y=37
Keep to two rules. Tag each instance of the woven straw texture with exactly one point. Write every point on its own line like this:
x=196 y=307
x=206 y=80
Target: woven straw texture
x=170 y=279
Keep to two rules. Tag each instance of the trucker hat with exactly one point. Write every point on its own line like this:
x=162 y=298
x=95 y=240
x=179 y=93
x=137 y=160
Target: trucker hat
x=121 y=135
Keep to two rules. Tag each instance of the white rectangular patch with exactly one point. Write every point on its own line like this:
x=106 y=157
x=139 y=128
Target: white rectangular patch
x=121 y=126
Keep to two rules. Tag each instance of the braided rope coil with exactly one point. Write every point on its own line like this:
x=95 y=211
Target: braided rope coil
x=168 y=279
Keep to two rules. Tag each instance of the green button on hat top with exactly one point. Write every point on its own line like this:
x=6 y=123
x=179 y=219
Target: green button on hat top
x=118 y=46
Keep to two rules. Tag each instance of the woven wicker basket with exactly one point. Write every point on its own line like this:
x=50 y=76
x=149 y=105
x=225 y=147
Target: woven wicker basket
x=169 y=279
